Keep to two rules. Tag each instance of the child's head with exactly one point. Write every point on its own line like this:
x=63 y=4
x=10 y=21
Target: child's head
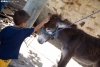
x=20 y=17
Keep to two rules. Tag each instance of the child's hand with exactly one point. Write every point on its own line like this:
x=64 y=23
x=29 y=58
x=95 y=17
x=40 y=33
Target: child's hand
x=46 y=20
x=41 y=24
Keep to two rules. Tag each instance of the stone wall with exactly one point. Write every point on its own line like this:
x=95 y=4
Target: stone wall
x=74 y=10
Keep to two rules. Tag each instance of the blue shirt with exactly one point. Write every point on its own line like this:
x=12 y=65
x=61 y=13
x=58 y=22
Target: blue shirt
x=11 y=39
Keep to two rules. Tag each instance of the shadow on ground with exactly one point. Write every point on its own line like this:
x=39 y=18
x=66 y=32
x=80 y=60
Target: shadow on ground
x=31 y=61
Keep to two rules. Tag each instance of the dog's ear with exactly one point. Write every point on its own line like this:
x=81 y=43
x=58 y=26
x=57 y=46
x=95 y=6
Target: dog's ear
x=49 y=14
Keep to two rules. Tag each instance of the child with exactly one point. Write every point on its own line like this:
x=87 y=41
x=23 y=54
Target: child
x=12 y=37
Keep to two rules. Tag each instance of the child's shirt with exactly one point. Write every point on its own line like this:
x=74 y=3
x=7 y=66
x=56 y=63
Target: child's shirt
x=11 y=39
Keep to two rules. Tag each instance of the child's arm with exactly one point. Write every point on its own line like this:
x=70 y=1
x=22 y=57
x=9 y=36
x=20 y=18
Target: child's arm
x=41 y=24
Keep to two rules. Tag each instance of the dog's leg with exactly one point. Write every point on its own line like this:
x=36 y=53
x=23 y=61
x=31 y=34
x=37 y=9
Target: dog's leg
x=65 y=57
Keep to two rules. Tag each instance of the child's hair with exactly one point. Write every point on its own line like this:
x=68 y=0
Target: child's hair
x=20 y=16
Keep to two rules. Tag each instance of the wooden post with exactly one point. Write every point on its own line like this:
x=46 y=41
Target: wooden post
x=33 y=7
